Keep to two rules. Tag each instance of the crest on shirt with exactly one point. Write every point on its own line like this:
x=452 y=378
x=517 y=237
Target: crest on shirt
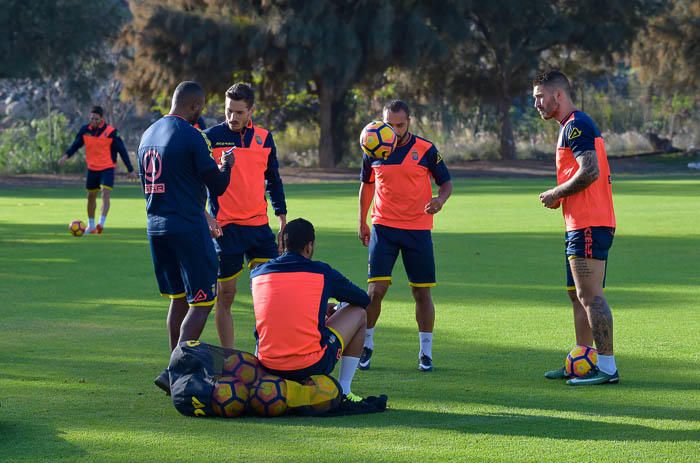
x=575 y=132
x=258 y=139
x=414 y=155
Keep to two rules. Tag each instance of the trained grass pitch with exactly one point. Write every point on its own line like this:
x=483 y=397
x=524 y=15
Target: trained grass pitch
x=83 y=336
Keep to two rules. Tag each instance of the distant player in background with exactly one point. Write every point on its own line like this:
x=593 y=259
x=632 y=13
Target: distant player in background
x=102 y=143
x=177 y=169
x=584 y=192
x=241 y=211
x=402 y=220
x=290 y=295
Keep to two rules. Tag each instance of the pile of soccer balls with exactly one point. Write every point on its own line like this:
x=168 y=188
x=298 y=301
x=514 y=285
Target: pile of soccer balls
x=244 y=386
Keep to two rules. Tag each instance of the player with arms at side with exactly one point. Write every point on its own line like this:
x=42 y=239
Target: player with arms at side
x=402 y=220
x=177 y=169
x=584 y=193
x=102 y=143
x=241 y=211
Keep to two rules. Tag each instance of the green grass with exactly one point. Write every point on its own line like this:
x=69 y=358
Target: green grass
x=83 y=335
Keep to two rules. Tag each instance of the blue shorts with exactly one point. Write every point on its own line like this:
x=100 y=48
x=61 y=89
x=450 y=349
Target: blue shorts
x=324 y=366
x=416 y=248
x=256 y=243
x=97 y=179
x=590 y=243
x=185 y=265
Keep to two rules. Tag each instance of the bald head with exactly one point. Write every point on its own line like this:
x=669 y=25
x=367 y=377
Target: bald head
x=188 y=101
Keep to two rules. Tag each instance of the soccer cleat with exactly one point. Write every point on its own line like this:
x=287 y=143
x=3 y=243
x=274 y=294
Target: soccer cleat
x=98 y=229
x=557 y=374
x=595 y=376
x=352 y=397
x=163 y=381
x=365 y=358
x=90 y=231
x=425 y=363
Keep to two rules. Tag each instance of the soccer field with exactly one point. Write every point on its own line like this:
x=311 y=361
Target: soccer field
x=83 y=336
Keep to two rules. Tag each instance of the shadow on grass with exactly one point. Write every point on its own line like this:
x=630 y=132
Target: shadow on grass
x=33 y=441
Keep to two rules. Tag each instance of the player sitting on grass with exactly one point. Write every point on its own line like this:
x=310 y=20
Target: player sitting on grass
x=290 y=295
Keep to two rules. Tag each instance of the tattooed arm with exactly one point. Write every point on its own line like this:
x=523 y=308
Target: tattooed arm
x=587 y=173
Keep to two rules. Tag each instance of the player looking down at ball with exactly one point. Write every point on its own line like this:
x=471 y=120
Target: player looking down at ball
x=102 y=143
x=241 y=212
x=402 y=220
x=584 y=193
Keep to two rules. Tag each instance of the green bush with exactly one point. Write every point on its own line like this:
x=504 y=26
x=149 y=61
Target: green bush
x=27 y=148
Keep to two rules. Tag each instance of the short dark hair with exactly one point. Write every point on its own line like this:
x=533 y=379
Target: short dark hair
x=297 y=234
x=553 y=77
x=186 y=91
x=97 y=110
x=241 y=91
x=397 y=105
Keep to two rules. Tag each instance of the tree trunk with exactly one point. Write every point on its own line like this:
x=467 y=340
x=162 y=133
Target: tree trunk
x=326 y=154
x=507 y=139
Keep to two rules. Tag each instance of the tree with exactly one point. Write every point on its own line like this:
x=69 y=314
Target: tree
x=667 y=52
x=497 y=46
x=49 y=38
x=334 y=45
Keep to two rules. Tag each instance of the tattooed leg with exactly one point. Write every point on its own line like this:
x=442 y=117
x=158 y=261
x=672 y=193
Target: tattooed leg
x=588 y=275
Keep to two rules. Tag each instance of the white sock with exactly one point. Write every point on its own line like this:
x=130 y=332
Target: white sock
x=91 y=223
x=103 y=219
x=606 y=364
x=348 y=365
x=369 y=338
x=426 y=344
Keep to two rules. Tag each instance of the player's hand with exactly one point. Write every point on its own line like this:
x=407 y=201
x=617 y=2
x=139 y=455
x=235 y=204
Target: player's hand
x=283 y=223
x=364 y=233
x=132 y=175
x=434 y=206
x=227 y=160
x=214 y=228
x=549 y=199
x=62 y=160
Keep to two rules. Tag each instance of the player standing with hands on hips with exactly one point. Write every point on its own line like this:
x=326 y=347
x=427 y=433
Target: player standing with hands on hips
x=402 y=220
x=177 y=168
x=584 y=193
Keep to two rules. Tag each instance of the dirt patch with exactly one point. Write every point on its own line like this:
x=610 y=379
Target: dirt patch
x=648 y=165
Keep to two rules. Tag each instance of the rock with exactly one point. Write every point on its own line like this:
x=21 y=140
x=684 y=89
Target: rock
x=18 y=110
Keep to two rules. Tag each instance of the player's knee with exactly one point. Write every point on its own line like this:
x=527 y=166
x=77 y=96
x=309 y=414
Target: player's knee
x=587 y=298
x=377 y=292
x=421 y=295
x=227 y=294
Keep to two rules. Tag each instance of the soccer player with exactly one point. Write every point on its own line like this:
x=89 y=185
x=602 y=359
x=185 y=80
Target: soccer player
x=290 y=295
x=177 y=169
x=402 y=219
x=102 y=143
x=584 y=193
x=241 y=211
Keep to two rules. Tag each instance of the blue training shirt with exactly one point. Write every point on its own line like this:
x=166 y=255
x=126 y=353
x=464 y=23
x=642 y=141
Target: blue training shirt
x=172 y=157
